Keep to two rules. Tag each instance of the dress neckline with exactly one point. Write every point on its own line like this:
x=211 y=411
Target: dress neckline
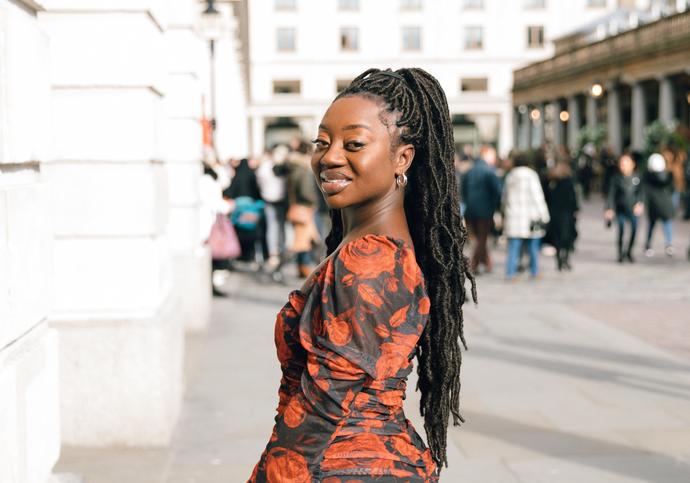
x=396 y=241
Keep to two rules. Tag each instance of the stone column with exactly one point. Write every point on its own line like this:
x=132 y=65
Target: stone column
x=540 y=126
x=666 y=101
x=516 y=127
x=121 y=330
x=574 y=122
x=506 y=131
x=558 y=127
x=183 y=153
x=258 y=133
x=638 y=116
x=613 y=121
x=526 y=130
x=591 y=114
x=29 y=405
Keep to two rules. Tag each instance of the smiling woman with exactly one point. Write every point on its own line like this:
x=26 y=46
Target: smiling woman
x=391 y=288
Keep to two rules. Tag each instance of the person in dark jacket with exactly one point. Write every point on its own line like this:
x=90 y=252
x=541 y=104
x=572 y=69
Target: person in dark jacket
x=482 y=196
x=245 y=185
x=658 y=193
x=624 y=203
x=563 y=207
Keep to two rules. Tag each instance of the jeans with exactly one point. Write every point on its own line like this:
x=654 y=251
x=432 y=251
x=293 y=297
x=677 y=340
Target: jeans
x=275 y=228
x=514 y=249
x=622 y=219
x=667 y=226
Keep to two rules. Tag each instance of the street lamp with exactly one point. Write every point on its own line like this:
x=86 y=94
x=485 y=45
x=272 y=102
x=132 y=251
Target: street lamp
x=535 y=114
x=212 y=30
x=564 y=116
x=597 y=90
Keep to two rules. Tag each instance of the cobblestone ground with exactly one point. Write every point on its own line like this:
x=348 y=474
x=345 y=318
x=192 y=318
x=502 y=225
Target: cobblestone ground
x=576 y=377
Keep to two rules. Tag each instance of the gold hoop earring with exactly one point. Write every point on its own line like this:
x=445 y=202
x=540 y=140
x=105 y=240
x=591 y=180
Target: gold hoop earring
x=400 y=180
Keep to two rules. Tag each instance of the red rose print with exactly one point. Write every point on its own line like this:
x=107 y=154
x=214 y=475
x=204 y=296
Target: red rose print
x=286 y=465
x=369 y=295
x=367 y=258
x=399 y=317
x=424 y=305
x=294 y=413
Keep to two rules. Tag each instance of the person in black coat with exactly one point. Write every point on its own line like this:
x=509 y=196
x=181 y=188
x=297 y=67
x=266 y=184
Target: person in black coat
x=563 y=207
x=624 y=203
x=658 y=192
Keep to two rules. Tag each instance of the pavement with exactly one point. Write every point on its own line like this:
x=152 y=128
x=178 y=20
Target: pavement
x=581 y=376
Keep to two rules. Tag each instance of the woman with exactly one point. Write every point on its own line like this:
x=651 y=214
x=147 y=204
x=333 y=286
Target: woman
x=273 y=192
x=561 y=200
x=391 y=288
x=525 y=215
x=245 y=189
x=658 y=192
x=624 y=202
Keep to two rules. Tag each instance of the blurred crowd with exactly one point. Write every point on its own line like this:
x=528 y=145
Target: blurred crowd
x=262 y=213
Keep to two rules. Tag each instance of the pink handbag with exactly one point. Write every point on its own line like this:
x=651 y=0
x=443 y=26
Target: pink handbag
x=223 y=239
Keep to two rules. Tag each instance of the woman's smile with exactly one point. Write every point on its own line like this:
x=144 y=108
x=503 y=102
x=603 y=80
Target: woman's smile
x=333 y=182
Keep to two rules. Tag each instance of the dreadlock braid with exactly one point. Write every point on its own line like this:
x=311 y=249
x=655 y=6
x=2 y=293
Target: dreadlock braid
x=420 y=108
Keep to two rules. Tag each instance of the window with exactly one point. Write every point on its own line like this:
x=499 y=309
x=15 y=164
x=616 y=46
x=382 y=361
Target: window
x=411 y=38
x=341 y=84
x=349 y=38
x=596 y=3
x=474 y=38
x=348 y=4
x=286 y=4
x=535 y=37
x=285 y=38
x=287 y=87
x=474 y=84
x=535 y=3
x=410 y=4
x=473 y=4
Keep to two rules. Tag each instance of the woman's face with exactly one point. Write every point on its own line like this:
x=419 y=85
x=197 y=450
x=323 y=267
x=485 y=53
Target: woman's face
x=352 y=159
x=626 y=165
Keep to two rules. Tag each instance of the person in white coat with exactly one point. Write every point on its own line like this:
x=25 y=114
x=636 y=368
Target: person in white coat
x=525 y=215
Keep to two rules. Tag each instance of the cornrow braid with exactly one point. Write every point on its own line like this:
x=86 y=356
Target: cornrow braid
x=418 y=104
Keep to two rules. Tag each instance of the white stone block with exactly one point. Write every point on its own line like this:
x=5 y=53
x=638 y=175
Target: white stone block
x=108 y=58
x=129 y=371
x=108 y=277
x=106 y=124
x=107 y=199
x=193 y=288
x=183 y=139
x=183 y=182
x=26 y=269
x=183 y=229
x=183 y=97
x=30 y=436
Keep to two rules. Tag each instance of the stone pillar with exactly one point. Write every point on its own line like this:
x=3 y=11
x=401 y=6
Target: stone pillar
x=516 y=128
x=666 y=101
x=574 y=122
x=183 y=153
x=558 y=127
x=638 y=116
x=591 y=114
x=258 y=132
x=120 y=327
x=539 y=127
x=614 y=122
x=29 y=406
x=506 y=131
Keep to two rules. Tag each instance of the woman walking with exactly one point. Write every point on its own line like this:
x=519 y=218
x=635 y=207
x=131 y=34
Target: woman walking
x=658 y=194
x=563 y=206
x=525 y=215
x=390 y=289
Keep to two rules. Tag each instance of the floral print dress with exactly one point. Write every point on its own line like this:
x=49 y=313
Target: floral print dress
x=345 y=348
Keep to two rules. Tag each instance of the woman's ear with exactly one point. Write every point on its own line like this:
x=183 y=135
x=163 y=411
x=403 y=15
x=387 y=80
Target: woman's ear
x=403 y=158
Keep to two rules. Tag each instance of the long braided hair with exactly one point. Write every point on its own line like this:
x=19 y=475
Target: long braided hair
x=416 y=100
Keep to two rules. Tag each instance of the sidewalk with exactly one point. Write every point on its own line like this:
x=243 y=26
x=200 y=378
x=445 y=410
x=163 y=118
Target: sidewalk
x=577 y=377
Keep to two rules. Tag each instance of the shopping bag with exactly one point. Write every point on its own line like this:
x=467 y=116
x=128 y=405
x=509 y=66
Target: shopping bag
x=223 y=239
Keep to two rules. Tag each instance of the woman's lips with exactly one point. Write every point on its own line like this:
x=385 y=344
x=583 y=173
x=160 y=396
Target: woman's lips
x=334 y=186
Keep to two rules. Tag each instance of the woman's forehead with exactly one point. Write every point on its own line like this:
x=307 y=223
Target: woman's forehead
x=356 y=111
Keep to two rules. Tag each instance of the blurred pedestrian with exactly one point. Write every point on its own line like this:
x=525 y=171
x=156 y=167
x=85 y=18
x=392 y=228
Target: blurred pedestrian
x=482 y=195
x=525 y=215
x=676 y=160
x=561 y=198
x=303 y=202
x=273 y=191
x=244 y=185
x=658 y=193
x=624 y=203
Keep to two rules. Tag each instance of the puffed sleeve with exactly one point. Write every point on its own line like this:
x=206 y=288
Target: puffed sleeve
x=361 y=322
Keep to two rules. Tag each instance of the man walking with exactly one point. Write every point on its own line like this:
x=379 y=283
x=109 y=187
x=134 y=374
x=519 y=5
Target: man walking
x=482 y=195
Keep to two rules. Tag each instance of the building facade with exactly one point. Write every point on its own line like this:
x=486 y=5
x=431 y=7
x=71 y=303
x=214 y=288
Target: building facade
x=619 y=74
x=302 y=52
x=102 y=265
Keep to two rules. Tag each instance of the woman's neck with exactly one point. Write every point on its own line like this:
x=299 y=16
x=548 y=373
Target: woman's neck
x=385 y=216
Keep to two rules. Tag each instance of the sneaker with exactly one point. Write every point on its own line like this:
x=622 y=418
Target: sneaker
x=669 y=251
x=629 y=257
x=649 y=253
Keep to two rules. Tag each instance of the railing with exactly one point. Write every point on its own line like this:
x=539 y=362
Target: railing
x=642 y=41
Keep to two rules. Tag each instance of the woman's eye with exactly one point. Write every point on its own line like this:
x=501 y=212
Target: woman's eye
x=354 y=145
x=319 y=143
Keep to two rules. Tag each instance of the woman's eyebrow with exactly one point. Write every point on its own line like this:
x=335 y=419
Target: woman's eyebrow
x=356 y=126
